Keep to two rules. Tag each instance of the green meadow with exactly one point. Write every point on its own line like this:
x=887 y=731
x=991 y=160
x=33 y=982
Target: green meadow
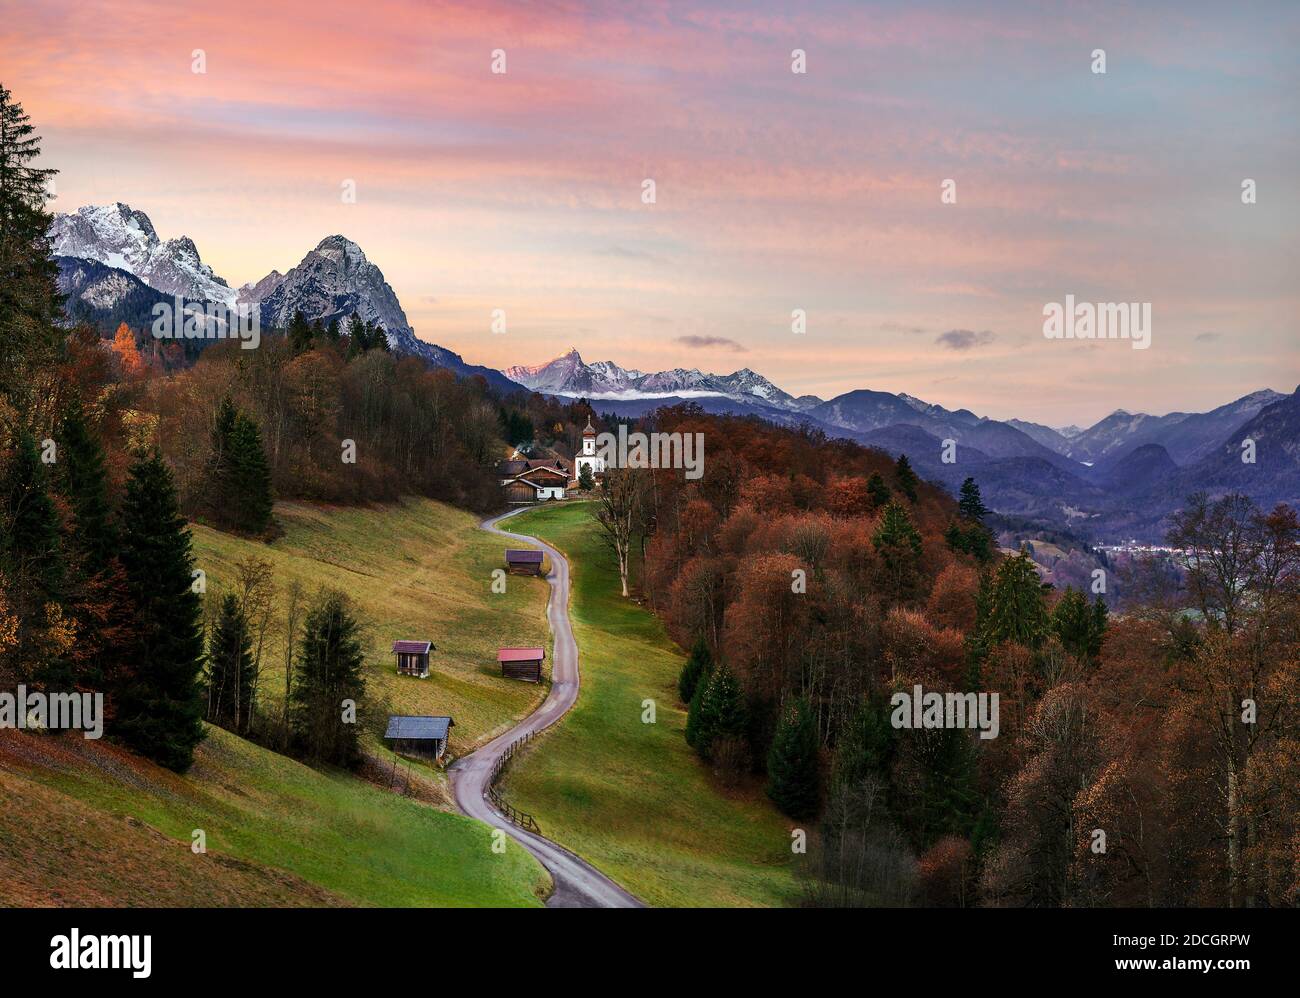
x=631 y=797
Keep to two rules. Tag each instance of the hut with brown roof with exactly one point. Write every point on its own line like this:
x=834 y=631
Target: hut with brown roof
x=522 y=663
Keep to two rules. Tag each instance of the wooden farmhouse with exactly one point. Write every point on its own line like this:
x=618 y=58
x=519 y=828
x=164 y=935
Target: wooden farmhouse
x=425 y=737
x=534 y=481
x=523 y=562
x=412 y=658
x=522 y=663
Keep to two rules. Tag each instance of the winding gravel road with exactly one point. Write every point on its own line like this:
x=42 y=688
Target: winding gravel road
x=578 y=884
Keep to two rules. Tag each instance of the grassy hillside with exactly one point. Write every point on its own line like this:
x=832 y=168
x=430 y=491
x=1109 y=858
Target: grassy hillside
x=419 y=570
x=85 y=823
x=632 y=797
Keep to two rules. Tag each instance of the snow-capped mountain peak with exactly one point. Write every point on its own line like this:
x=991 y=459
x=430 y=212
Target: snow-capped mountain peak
x=333 y=280
x=570 y=376
x=118 y=236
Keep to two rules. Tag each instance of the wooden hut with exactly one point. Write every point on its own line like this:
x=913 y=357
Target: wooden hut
x=412 y=658
x=522 y=663
x=425 y=737
x=524 y=562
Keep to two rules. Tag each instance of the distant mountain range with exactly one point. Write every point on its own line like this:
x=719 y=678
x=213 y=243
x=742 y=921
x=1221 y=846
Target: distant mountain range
x=606 y=381
x=1121 y=476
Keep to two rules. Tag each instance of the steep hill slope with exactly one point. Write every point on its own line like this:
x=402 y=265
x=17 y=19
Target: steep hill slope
x=86 y=823
x=418 y=570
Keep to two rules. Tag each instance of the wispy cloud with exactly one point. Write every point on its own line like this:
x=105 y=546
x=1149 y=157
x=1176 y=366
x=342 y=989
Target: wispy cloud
x=964 y=339
x=710 y=342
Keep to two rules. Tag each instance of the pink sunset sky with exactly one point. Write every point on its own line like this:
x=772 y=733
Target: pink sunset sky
x=775 y=190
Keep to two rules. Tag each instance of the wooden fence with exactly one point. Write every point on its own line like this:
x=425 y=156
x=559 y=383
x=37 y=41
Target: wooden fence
x=521 y=818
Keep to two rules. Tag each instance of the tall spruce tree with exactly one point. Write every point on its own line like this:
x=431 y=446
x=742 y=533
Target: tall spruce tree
x=230 y=669
x=697 y=666
x=1017 y=610
x=906 y=477
x=358 y=336
x=160 y=705
x=877 y=490
x=898 y=545
x=328 y=673
x=300 y=332
x=1079 y=626
x=866 y=745
x=85 y=483
x=693 y=709
x=32 y=560
x=251 y=474
x=97 y=601
x=722 y=711
x=30 y=303
x=971 y=503
x=792 y=765
x=238 y=480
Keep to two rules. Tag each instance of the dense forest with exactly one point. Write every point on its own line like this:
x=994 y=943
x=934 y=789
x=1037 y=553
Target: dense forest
x=1143 y=757
x=112 y=441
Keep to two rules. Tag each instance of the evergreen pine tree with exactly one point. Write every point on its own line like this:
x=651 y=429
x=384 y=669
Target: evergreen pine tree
x=328 y=672
x=587 y=482
x=238 y=480
x=300 y=332
x=721 y=712
x=30 y=542
x=97 y=600
x=866 y=745
x=358 y=341
x=792 y=764
x=160 y=707
x=377 y=338
x=695 y=667
x=30 y=303
x=906 y=477
x=898 y=544
x=230 y=669
x=971 y=504
x=332 y=332
x=219 y=479
x=1016 y=608
x=696 y=704
x=1100 y=618
x=32 y=560
x=85 y=483
x=251 y=475
x=1072 y=622
x=877 y=490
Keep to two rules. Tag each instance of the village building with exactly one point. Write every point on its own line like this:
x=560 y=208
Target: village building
x=524 y=561
x=529 y=481
x=589 y=458
x=422 y=736
x=522 y=663
x=412 y=658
